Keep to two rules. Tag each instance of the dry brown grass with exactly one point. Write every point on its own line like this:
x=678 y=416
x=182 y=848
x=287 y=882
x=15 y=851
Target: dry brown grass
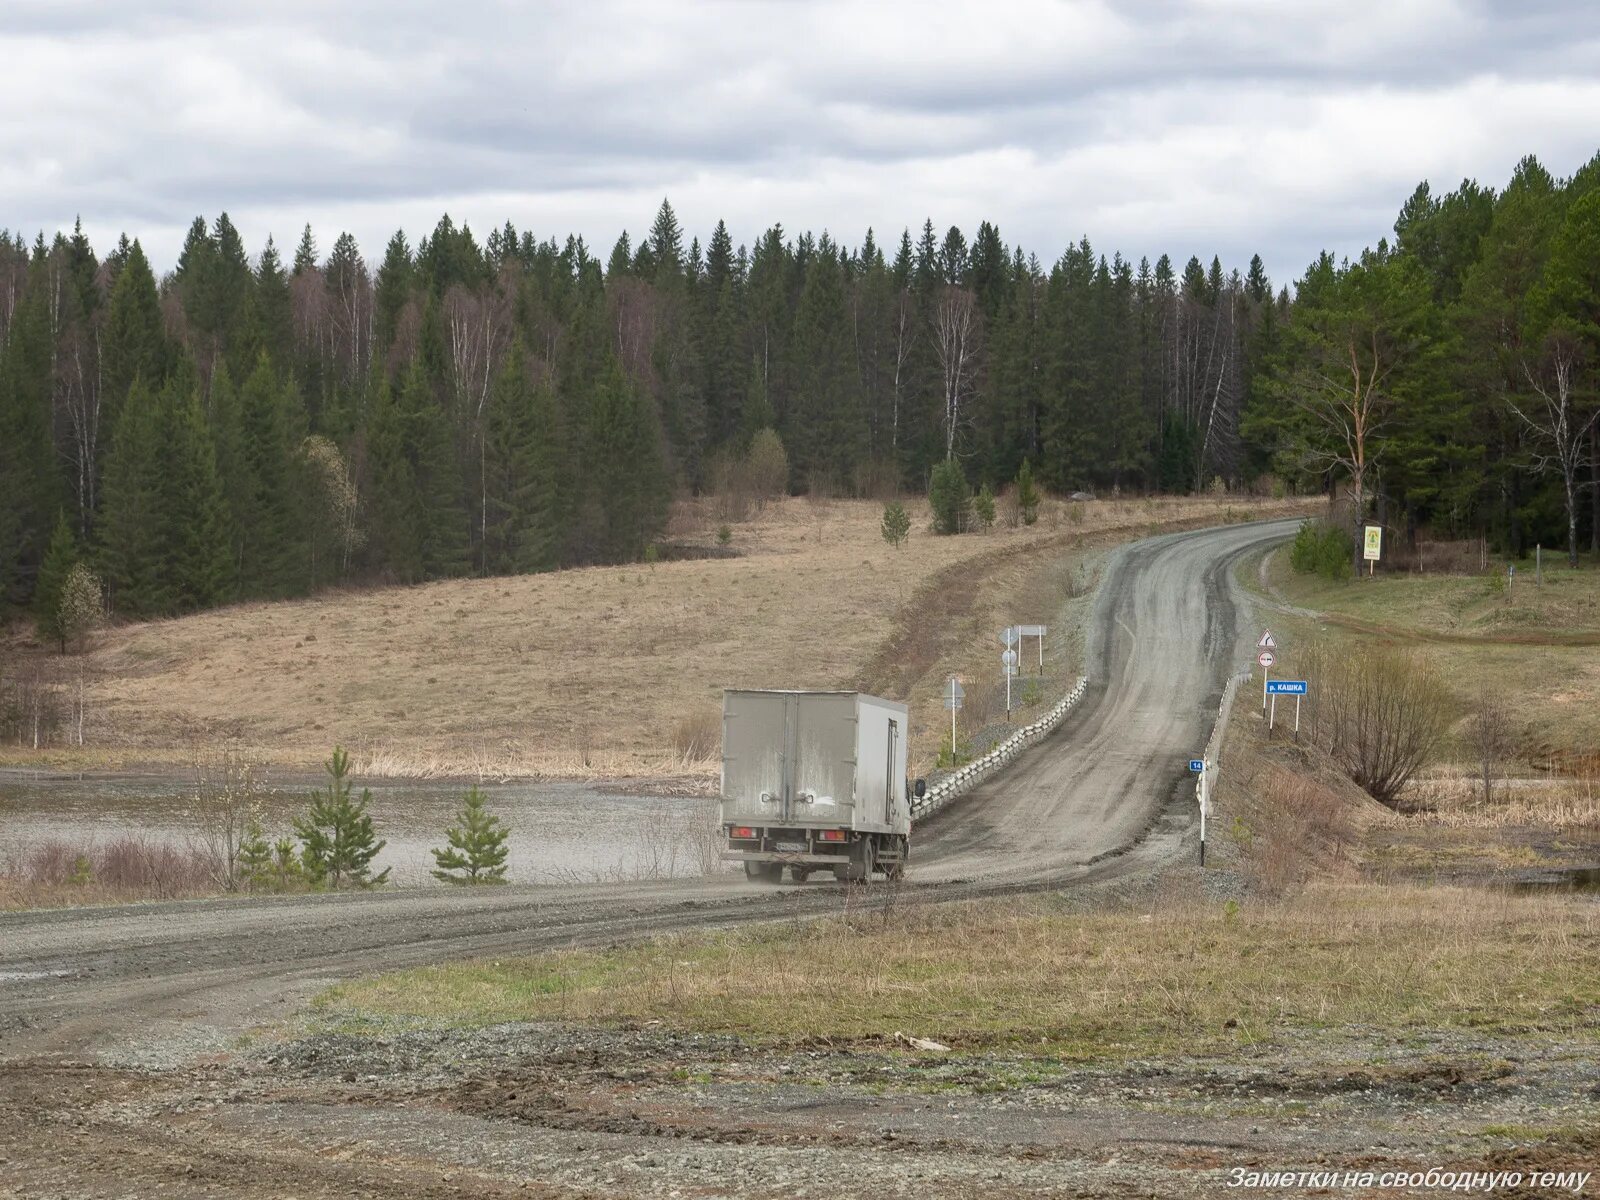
x=1560 y=805
x=1183 y=976
x=576 y=673
x=59 y=874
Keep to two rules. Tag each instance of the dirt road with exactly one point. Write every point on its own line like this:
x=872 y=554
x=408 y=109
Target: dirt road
x=155 y=983
x=104 y=1002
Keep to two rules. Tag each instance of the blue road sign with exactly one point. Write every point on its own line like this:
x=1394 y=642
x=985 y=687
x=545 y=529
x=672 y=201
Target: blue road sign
x=1286 y=687
x=1197 y=765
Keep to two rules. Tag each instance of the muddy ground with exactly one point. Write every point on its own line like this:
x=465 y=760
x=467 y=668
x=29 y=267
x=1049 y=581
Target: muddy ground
x=558 y=1111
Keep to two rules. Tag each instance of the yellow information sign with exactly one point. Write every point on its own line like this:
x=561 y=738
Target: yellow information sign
x=1373 y=550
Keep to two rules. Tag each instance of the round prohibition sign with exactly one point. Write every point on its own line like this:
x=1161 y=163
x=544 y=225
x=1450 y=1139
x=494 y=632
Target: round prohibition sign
x=1266 y=658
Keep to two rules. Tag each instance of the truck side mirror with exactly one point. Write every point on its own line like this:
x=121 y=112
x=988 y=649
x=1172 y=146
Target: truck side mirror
x=922 y=788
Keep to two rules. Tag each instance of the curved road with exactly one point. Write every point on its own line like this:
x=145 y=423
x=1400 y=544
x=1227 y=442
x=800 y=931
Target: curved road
x=159 y=983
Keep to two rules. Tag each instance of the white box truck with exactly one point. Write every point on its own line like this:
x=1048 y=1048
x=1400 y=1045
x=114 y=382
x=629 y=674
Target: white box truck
x=814 y=781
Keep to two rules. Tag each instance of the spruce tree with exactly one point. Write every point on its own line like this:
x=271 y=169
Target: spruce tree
x=337 y=841
x=59 y=560
x=30 y=479
x=477 y=851
x=133 y=552
x=134 y=344
x=627 y=479
x=950 y=497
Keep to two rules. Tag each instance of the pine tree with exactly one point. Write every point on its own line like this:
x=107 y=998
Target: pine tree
x=255 y=857
x=272 y=517
x=1027 y=494
x=896 y=523
x=477 y=851
x=59 y=560
x=337 y=842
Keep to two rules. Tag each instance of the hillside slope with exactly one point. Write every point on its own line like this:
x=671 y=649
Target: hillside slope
x=601 y=671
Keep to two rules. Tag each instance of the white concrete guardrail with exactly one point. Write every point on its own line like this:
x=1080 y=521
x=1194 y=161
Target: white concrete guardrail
x=1213 y=752
x=963 y=779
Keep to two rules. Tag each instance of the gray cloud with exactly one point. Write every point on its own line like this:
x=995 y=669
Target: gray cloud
x=1210 y=126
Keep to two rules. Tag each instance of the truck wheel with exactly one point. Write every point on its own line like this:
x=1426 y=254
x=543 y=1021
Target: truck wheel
x=862 y=861
x=800 y=874
x=763 y=872
x=896 y=870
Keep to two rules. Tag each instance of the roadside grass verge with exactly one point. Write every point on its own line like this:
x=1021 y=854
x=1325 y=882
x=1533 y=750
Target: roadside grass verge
x=1553 y=689
x=1564 y=607
x=1184 y=977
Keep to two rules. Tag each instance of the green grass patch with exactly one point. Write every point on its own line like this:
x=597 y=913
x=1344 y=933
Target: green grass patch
x=1027 y=975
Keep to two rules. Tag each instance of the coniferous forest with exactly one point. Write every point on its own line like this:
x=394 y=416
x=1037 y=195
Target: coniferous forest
x=258 y=424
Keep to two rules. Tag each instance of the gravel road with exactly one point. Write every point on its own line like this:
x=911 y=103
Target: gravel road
x=156 y=984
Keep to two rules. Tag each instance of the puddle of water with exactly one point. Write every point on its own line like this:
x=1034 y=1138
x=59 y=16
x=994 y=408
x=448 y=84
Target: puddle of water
x=1582 y=879
x=559 y=831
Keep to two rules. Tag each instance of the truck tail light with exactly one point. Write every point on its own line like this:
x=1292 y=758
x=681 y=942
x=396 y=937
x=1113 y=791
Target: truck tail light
x=741 y=831
x=831 y=835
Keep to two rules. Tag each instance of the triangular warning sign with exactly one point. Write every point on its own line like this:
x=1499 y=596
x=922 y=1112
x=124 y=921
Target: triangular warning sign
x=1267 y=641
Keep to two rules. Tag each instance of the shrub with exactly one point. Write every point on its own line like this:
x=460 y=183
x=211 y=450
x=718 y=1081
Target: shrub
x=896 y=523
x=1321 y=548
x=724 y=535
x=950 y=497
x=1378 y=711
x=983 y=507
x=767 y=466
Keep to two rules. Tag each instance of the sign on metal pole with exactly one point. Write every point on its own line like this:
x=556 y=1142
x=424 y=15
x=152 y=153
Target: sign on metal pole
x=954 y=694
x=1267 y=642
x=1266 y=658
x=1286 y=687
x=1034 y=631
x=1008 y=662
x=1009 y=635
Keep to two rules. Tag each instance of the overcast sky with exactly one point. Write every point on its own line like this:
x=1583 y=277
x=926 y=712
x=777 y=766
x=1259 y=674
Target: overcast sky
x=1212 y=126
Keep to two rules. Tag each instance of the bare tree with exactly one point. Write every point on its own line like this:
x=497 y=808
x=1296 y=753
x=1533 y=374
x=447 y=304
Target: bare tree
x=229 y=791
x=956 y=332
x=1491 y=735
x=905 y=340
x=479 y=323
x=1558 y=428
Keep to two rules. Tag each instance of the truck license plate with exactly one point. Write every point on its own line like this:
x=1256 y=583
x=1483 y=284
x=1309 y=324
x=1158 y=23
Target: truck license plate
x=790 y=847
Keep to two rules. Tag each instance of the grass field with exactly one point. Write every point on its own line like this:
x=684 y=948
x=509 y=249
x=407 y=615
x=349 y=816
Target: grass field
x=609 y=671
x=1185 y=975
x=1537 y=648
